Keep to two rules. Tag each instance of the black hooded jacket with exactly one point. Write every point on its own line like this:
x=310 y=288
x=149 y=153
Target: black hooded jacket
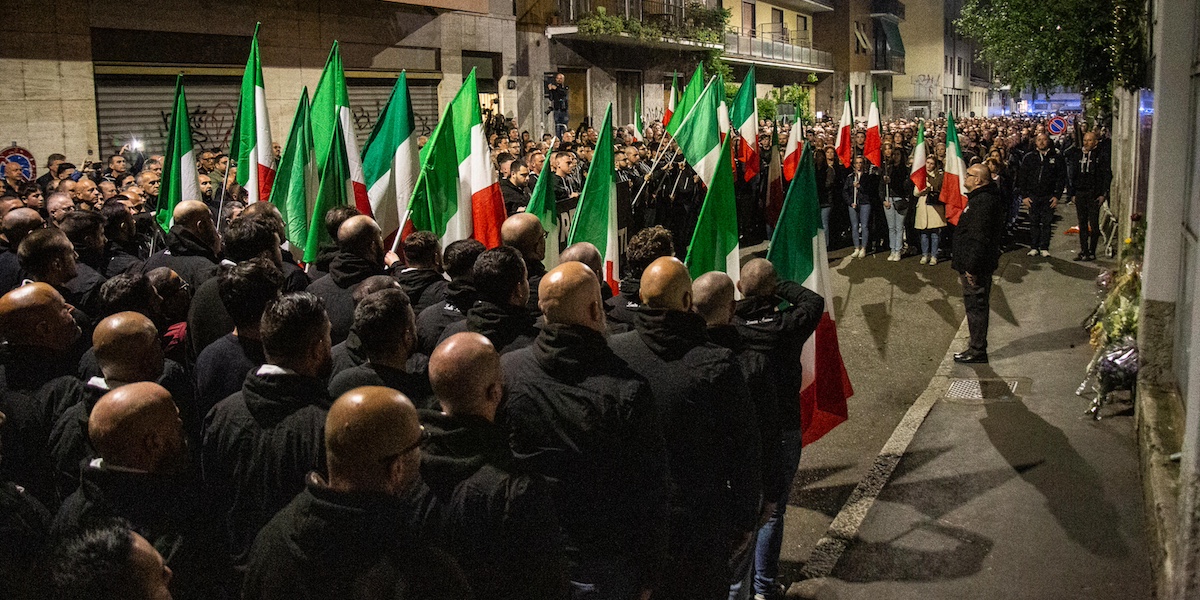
x=425 y=287
x=187 y=255
x=579 y=416
x=497 y=522
x=623 y=307
x=24 y=371
x=25 y=530
x=331 y=545
x=431 y=322
x=346 y=272
x=120 y=258
x=259 y=445
x=415 y=384
x=508 y=327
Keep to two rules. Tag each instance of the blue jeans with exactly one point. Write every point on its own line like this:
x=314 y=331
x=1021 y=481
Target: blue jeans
x=929 y=241
x=770 y=535
x=895 y=224
x=861 y=216
x=611 y=579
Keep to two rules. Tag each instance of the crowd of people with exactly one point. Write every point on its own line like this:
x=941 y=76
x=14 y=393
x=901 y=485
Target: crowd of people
x=197 y=415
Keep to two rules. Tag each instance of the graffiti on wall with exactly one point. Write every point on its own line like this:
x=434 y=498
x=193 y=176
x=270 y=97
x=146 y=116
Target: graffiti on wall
x=212 y=126
x=925 y=87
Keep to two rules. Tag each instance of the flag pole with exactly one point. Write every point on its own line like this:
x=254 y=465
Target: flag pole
x=224 y=192
x=638 y=195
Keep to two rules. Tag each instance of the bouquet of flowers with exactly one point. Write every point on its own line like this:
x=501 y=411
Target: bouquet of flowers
x=1113 y=328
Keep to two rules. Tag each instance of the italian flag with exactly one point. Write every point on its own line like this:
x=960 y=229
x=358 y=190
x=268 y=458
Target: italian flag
x=745 y=118
x=798 y=252
x=714 y=245
x=774 y=204
x=791 y=154
x=295 y=190
x=670 y=108
x=919 y=176
x=691 y=92
x=699 y=135
x=330 y=111
x=873 y=143
x=435 y=204
x=480 y=203
x=954 y=177
x=251 y=140
x=723 y=125
x=335 y=189
x=596 y=218
x=391 y=163
x=180 y=180
x=543 y=205
x=843 y=146
x=639 y=128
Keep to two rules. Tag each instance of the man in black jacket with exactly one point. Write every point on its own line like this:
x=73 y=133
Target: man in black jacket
x=976 y=256
x=515 y=188
x=121 y=253
x=25 y=529
x=192 y=244
x=17 y=223
x=779 y=334
x=644 y=248
x=502 y=291
x=422 y=279
x=351 y=535
x=524 y=232
x=260 y=443
x=360 y=255
x=702 y=400
x=85 y=229
x=459 y=258
x=1089 y=174
x=579 y=416
x=496 y=520
x=350 y=353
x=384 y=325
x=1041 y=179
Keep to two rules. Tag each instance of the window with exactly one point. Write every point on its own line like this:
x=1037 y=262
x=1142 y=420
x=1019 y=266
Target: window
x=748 y=18
x=802 y=36
x=960 y=67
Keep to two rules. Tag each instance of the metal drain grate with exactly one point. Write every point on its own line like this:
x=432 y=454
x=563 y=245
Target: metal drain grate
x=981 y=389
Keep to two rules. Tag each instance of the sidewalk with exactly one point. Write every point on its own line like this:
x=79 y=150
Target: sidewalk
x=1013 y=493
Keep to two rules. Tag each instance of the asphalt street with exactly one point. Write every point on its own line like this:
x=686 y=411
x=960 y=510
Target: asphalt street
x=1013 y=495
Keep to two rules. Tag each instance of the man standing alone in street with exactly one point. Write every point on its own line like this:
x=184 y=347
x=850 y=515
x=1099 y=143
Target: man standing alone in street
x=1088 y=177
x=976 y=256
x=1040 y=181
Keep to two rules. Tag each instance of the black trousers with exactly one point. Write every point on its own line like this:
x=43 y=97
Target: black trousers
x=1087 y=208
x=977 y=301
x=1041 y=217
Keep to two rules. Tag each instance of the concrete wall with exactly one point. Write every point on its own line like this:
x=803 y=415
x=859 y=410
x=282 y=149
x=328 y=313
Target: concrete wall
x=924 y=64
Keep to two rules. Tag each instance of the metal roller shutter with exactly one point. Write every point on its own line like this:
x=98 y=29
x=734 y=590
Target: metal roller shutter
x=368 y=97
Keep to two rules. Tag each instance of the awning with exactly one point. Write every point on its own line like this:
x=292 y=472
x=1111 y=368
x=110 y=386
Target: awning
x=892 y=31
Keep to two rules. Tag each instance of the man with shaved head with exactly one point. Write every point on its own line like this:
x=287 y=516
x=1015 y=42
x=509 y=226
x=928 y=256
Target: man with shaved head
x=977 y=247
x=192 y=244
x=588 y=254
x=779 y=334
x=140 y=474
x=498 y=520
x=579 y=416
x=1089 y=174
x=352 y=530
x=712 y=441
x=15 y=225
x=360 y=255
x=524 y=232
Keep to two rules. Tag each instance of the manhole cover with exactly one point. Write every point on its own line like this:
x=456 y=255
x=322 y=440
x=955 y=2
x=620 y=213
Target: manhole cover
x=981 y=389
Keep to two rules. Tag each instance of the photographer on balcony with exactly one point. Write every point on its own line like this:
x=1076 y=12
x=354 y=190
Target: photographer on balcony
x=557 y=93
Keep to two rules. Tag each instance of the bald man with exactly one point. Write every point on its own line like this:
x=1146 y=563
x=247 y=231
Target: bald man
x=586 y=253
x=712 y=440
x=779 y=334
x=499 y=521
x=17 y=224
x=977 y=247
x=139 y=474
x=192 y=244
x=360 y=255
x=524 y=232
x=352 y=531
x=582 y=418
x=1089 y=174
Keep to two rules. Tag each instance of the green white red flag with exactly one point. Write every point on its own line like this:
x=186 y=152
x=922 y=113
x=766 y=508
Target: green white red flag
x=744 y=117
x=954 y=177
x=791 y=154
x=180 y=180
x=872 y=146
x=335 y=189
x=669 y=110
x=330 y=111
x=699 y=135
x=639 y=128
x=435 y=202
x=596 y=218
x=480 y=203
x=714 y=245
x=691 y=92
x=843 y=145
x=391 y=163
x=797 y=251
x=251 y=140
x=774 y=203
x=919 y=175
x=543 y=205
x=295 y=189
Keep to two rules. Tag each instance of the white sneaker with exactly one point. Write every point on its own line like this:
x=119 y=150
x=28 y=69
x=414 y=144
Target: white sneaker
x=932 y=260
x=858 y=253
x=895 y=257
x=1045 y=253
x=1033 y=252
x=924 y=260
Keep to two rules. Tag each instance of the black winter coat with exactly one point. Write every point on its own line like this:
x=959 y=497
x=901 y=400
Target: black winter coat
x=497 y=522
x=346 y=272
x=579 y=416
x=977 y=239
x=185 y=254
x=623 y=307
x=508 y=327
x=425 y=287
x=414 y=385
x=25 y=530
x=24 y=371
x=120 y=259
x=221 y=370
x=1041 y=175
x=432 y=321
x=207 y=319
x=868 y=188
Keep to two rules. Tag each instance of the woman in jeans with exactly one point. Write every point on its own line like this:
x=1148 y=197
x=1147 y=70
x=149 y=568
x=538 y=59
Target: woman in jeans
x=830 y=175
x=931 y=213
x=895 y=192
x=859 y=188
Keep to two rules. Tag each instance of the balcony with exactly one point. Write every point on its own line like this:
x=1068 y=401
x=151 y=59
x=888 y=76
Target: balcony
x=665 y=24
x=888 y=63
x=775 y=46
x=888 y=9
x=806 y=6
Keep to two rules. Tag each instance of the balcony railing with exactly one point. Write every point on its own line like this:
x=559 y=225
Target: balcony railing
x=781 y=46
x=664 y=13
x=887 y=8
x=889 y=62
